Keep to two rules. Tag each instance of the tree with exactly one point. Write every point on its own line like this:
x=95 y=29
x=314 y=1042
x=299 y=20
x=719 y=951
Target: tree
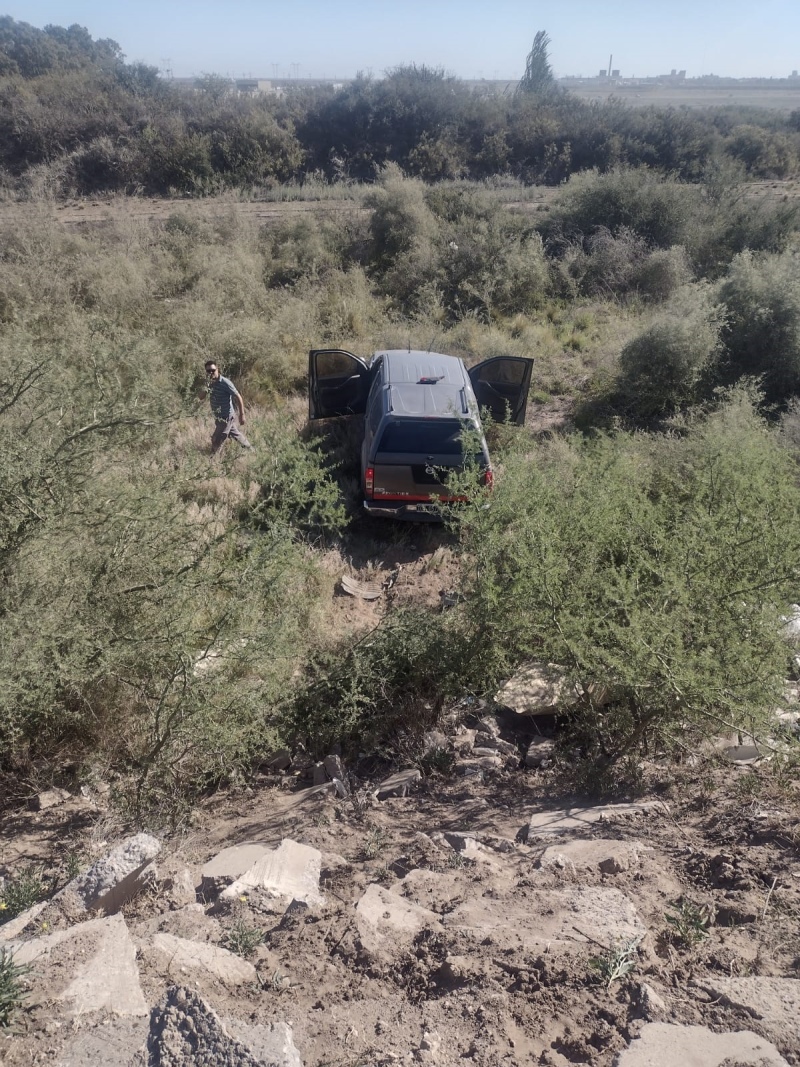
x=538 y=76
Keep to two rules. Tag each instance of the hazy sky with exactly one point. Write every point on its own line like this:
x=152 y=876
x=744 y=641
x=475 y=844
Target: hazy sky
x=470 y=38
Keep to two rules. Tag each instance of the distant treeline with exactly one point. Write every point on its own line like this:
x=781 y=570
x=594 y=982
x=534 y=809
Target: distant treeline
x=75 y=118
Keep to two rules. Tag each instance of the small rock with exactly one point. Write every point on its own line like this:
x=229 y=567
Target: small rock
x=493 y=745
x=280 y=761
x=387 y=922
x=489 y=725
x=539 y=751
x=433 y=741
x=177 y=956
x=651 y=1005
x=398 y=785
x=118 y=877
x=179 y=887
x=51 y=798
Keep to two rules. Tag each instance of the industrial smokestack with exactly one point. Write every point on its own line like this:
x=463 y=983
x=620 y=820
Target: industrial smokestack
x=609 y=65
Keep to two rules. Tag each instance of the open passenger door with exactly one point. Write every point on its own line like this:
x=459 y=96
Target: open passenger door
x=501 y=385
x=338 y=383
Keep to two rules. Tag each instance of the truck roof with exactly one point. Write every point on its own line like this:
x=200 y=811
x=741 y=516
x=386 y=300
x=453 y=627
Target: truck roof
x=425 y=383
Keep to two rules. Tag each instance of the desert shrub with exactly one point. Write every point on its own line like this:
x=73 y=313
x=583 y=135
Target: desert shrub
x=670 y=363
x=662 y=273
x=404 y=238
x=761 y=335
x=359 y=693
x=654 y=569
x=765 y=153
x=659 y=210
x=146 y=619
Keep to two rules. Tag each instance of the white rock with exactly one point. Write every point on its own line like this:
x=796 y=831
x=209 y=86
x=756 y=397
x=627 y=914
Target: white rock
x=14 y=927
x=574 y=821
x=228 y=865
x=665 y=1045
x=608 y=856
x=92 y=967
x=774 y=1001
x=179 y=959
x=539 y=750
x=398 y=785
x=386 y=921
x=543 y=688
x=566 y=917
x=290 y=872
x=51 y=798
x=117 y=877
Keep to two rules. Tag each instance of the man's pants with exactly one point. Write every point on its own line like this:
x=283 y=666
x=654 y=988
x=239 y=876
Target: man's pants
x=225 y=428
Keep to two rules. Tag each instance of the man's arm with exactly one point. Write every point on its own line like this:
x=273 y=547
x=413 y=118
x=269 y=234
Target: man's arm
x=239 y=407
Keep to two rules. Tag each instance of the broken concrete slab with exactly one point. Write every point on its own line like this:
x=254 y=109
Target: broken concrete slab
x=665 y=1045
x=190 y=922
x=601 y=854
x=181 y=960
x=90 y=967
x=573 y=821
x=387 y=921
x=561 y=918
x=185 y=1031
x=270 y=1043
x=775 y=1002
x=398 y=785
x=290 y=872
x=117 y=877
x=228 y=865
x=14 y=927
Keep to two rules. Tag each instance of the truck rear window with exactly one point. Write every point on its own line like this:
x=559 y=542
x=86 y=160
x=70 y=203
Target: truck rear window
x=429 y=437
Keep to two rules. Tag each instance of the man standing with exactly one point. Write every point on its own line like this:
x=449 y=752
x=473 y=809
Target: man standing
x=226 y=404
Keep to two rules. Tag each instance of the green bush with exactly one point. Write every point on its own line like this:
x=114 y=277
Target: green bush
x=655 y=569
x=670 y=364
x=761 y=335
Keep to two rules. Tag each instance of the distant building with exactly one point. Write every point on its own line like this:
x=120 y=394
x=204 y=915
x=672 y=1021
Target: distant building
x=253 y=87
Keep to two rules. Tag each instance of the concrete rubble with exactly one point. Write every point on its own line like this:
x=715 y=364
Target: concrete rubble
x=387 y=921
x=567 y=917
x=227 y=866
x=398 y=785
x=539 y=751
x=181 y=959
x=666 y=1045
x=544 y=689
x=290 y=872
x=775 y=1002
x=573 y=821
x=185 y=1031
x=601 y=854
x=106 y=979
x=116 y=878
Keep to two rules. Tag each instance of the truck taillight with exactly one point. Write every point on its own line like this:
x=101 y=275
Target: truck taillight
x=488 y=478
x=369 y=482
